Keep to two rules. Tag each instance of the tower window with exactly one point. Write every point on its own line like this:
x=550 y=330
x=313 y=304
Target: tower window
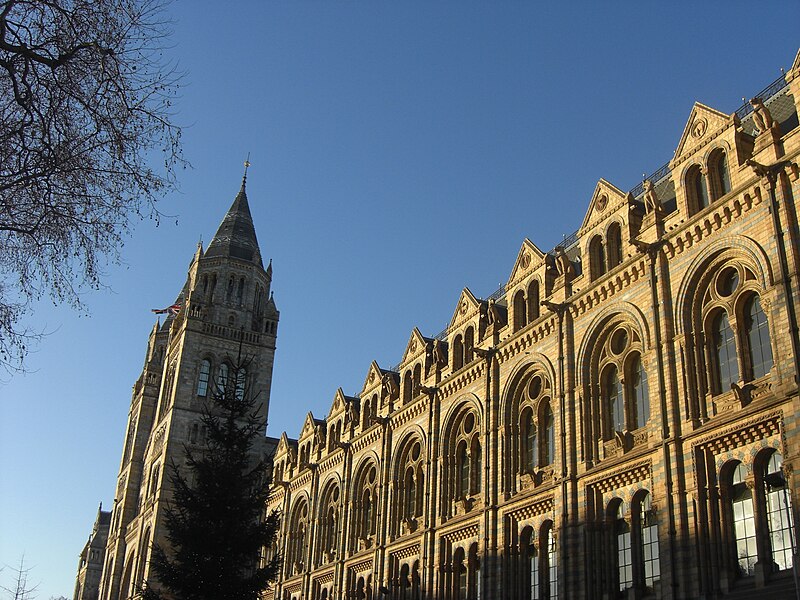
x=202 y=380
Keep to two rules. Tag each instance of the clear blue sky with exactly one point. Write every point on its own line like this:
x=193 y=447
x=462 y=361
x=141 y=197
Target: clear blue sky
x=400 y=151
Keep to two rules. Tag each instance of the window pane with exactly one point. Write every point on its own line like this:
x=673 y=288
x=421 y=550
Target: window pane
x=202 y=381
x=758 y=342
x=615 y=402
x=779 y=513
x=640 y=392
x=727 y=366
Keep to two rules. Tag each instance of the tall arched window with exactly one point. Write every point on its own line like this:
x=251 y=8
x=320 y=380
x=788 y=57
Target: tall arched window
x=549 y=426
x=460 y=572
x=779 y=512
x=520 y=311
x=743 y=520
x=597 y=257
x=550 y=585
x=365 y=498
x=697 y=189
x=469 y=345
x=458 y=353
x=408 y=384
x=296 y=545
x=757 y=334
x=222 y=377
x=202 y=380
x=624 y=549
x=530 y=454
x=614 y=246
x=417 y=382
x=718 y=168
x=463 y=469
x=614 y=400
x=648 y=543
x=726 y=366
x=241 y=383
x=533 y=301
x=638 y=390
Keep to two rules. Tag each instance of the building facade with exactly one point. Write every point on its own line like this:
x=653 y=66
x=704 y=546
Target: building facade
x=224 y=310
x=90 y=563
x=619 y=420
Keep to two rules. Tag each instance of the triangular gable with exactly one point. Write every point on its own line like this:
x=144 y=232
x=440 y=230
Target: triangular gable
x=309 y=425
x=703 y=122
x=796 y=64
x=416 y=344
x=467 y=302
x=373 y=378
x=606 y=199
x=528 y=258
x=339 y=404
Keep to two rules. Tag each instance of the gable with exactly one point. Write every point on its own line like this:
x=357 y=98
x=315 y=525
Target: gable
x=339 y=404
x=309 y=425
x=416 y=344
x=606 y=199
x=467 y=303
x=703 y=125
x=373 y=378
x=528 y=258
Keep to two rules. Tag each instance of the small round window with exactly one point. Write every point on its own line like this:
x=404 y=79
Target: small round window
x=727 y=282
x=619 y=341
x=469 y=423
x=535 y=387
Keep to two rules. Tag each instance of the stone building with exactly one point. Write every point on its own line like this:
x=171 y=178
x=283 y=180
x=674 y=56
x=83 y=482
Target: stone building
x=225 y=308
x=620 y=419
x=90 y=563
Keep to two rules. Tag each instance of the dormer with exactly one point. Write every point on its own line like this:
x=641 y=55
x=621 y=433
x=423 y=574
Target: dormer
x=605 y=231
x=371 y=395
x=311 y=436
x=283 y=459
x=708 y=159
x=464 y=330
x=413 y=367
x=526 y=286
x=342 y=418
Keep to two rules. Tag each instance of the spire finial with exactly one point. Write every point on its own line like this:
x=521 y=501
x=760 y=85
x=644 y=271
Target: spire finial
x=246 y=165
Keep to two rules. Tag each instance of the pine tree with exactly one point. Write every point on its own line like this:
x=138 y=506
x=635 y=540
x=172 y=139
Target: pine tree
x=215 y=521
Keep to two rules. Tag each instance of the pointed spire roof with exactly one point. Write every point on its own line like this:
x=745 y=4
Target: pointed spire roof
x=236 y=236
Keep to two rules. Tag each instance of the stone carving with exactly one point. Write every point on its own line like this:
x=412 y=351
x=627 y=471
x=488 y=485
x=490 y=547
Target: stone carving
x=564 y=264
x=492 y=313
x=439 y=355
x=351 y=416
x=319 y=436
x=651 y=201
x=762 y=117
x=390 y=386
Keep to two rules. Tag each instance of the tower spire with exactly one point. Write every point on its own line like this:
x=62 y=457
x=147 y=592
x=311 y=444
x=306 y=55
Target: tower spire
x=236 y=236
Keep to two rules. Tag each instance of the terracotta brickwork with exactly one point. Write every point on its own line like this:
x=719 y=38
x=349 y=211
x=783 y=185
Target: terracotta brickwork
x=619 y=420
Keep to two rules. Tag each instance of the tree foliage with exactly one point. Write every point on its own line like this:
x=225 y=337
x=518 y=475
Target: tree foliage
x=87 y=143
x=216 y=524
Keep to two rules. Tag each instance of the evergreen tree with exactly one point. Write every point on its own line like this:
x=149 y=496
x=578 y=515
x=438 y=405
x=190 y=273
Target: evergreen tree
x=215 y=521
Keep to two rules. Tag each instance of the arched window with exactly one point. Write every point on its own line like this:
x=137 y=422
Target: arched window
x=241 y=383
x=549 y=427
x=718 y=168
x=463 y=470
x=743 y=520
x=474 y=573
x=779 y=512
x=417 y=383
x=460 y=572
x=530 y=454
x=614 y=400
x=240 y=292
x=533 y=301
x=614 y=246
x=639 y=392
x=365 y=415
x=477 y=465
x=222 y=378
x=697 y=189
x=597 y=257
x=229 y=292
x=407 y=387
x=202 y=380
x=647 y=546
x=757 y=334
x=469 y=345
x=550 y=568
x=520 y=311
x=458 y=353
x=726 y=366
x=624 y=550
x=365 y=503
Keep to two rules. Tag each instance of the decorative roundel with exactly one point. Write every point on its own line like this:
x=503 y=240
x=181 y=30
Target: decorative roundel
x=526 y=260
x=602 y=202
x=619 y=341
x=413 y=346
x=469 y=423
x=464 y=307
x=535 y=387
x=699 y=128
x=415 y=451
x=727 y=282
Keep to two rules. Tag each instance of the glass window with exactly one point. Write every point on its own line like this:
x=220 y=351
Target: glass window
x=779 y=513
x=650 y=557
x=624 y=551
x=533 y=569
x=241 y=379
x=463 y=469
x=529 y=429
x=721 y=173
x=552 y=560
x=222 y=377
x=758 y=342
x=640 y=392
x=744 y=524
x=549 y=424
x=700 y=190
x=202 y=380
x=478 y=466
x=616 y=403
x=727 y=367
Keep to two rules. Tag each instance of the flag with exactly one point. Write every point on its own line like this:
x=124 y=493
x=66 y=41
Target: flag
x=173 y=310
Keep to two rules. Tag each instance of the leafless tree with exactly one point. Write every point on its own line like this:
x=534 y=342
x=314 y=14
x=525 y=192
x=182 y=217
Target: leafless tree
x=20 y=588
x=88 y=143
